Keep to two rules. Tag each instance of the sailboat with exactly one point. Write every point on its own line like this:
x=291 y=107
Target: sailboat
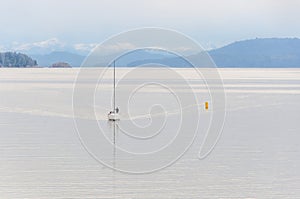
x=114 y=114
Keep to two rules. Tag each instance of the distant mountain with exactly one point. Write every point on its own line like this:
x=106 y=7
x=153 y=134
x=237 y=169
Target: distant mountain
x=260 y=53
x=75 y=60
x=143 y=56
x=171 y=61
x=13 y=59
x=46 y=60
x=47 y=46
x=254 y=53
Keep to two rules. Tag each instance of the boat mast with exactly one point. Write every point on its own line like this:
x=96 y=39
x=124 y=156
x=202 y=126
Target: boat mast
x=114 y=87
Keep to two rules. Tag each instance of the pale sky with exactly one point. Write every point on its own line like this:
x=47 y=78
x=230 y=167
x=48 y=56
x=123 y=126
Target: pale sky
x=210 y=22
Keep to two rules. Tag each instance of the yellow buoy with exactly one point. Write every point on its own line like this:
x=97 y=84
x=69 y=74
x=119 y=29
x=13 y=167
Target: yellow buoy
x=206 y=105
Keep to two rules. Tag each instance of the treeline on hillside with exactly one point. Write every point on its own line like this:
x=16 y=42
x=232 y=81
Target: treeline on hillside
x=13 y=59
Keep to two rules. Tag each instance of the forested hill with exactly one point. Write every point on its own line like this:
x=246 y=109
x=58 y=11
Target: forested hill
x=13 y=59
x=259 y=53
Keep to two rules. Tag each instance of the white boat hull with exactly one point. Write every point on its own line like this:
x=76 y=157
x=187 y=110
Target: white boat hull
x=113 y=116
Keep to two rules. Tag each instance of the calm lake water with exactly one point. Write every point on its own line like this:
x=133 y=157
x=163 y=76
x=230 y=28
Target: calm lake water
x=43 y=157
